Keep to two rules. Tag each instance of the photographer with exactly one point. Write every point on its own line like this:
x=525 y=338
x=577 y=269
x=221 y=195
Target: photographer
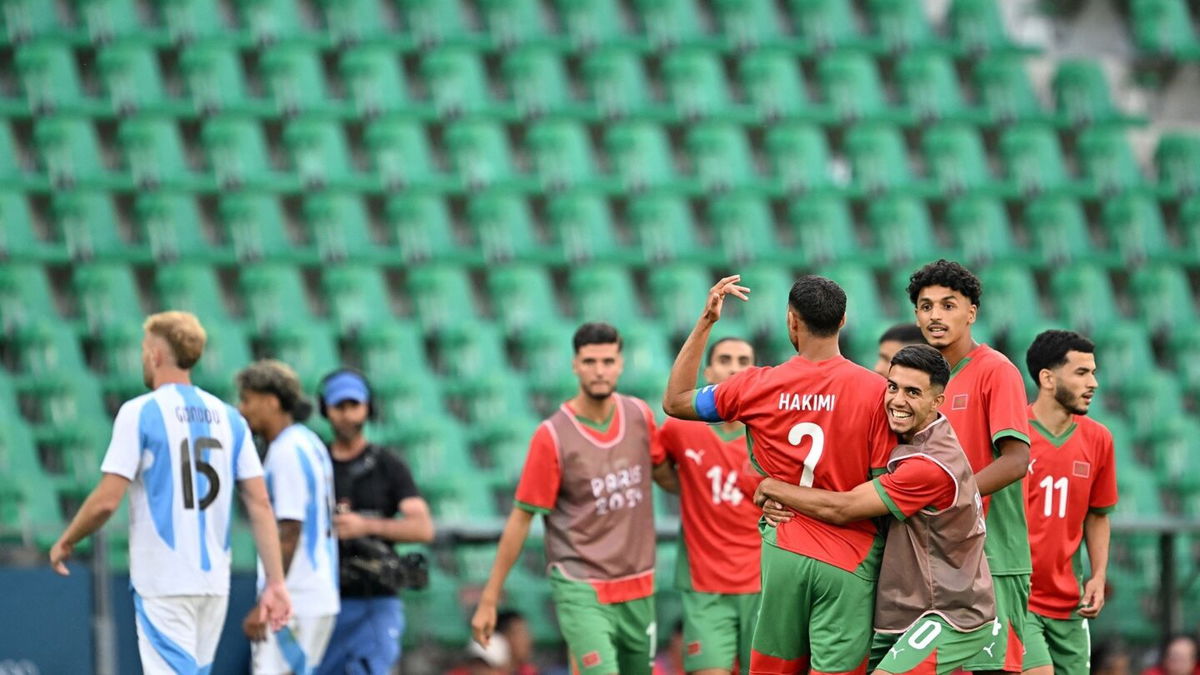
x=371 y=485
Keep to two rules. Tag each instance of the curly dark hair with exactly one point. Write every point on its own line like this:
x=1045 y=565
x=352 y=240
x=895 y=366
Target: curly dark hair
x=269 y=376
x=945 y=273
x=1049 y=350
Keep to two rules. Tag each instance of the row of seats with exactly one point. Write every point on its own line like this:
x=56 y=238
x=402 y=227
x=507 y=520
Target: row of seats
x=889 y=25
x=1165 y=29
x=368 y=81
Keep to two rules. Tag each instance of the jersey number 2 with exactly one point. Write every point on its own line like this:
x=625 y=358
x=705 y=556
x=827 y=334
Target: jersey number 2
x=796 y=436
x=185 y=472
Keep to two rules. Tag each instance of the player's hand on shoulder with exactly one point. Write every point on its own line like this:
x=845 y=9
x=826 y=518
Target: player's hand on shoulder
x=58 y=556
x=716 y=296
x=483 y=623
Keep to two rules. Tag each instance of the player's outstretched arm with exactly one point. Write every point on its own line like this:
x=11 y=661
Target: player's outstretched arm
x=274 y=604
x=512 y=540
x=681 y=387
x=95 y=511
x=1096 y=533
x=838 y=508
x=1010 y=467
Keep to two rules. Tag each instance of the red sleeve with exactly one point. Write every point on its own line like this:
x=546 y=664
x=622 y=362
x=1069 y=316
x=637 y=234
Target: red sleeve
x=538 y=489
x=731 y=396
x=666 y=445
x=657 y=454
x=1007 y=407
x=882 y=440
x=749 y=478
x=916 y=483
x=1104 y=485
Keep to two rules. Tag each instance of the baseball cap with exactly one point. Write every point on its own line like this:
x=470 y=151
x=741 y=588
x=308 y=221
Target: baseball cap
x=345 y=386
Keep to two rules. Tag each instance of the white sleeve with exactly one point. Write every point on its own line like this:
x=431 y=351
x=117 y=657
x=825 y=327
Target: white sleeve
x=248 y=464
x=285 y=477
x=124 y=450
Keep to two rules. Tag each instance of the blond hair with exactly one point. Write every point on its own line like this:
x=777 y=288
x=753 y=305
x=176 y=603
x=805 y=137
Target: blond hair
x=183 y=333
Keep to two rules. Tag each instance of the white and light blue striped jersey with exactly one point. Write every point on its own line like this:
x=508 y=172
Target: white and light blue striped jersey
x=300 y=481
x=183 y=450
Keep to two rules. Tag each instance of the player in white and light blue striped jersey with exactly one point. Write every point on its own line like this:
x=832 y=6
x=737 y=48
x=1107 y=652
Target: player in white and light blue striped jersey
x=299 y=476
x=180 y=451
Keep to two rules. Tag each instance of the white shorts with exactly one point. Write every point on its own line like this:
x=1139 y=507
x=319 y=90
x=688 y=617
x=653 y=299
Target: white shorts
x=179 y=633
x=297 y=648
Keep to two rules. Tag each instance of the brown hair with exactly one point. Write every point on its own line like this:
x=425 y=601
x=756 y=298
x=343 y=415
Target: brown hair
x=269 y=376
x=183 y=333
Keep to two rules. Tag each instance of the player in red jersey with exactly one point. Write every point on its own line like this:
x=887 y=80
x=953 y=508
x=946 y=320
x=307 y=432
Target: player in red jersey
x=1071 y=488
x=718 y=569
x=985 y=403
x=816 y=420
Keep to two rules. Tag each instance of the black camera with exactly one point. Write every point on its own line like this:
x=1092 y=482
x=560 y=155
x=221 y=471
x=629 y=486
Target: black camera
x=370 y=561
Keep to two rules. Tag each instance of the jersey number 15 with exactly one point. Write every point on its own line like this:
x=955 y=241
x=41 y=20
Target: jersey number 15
x=185 y=472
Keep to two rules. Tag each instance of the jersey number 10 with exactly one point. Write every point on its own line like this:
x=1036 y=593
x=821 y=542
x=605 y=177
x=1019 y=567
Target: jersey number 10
x=185 y=472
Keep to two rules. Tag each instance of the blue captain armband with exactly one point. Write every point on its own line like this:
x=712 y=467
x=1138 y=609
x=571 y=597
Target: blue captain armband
x=705 y=404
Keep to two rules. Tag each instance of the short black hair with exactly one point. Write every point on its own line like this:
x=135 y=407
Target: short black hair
x=925 y=359
x=505 y=618
x=1049 y=350
x=596 y=333
x=904 y=333
x=820 y=303
x=713 y=347
x=945 y=273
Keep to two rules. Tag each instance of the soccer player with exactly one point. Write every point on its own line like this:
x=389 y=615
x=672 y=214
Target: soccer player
x=816 y=420
x=934 y=607
x=893 y=340
x=588 y=472
x=299 y=478
x=717 y=571
x=1071 y=488
x=179 y=451
x=985 y=403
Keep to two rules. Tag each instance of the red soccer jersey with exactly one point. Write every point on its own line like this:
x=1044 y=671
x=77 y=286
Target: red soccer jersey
x=1069 y=475
x=815 y=424
x=917 y=483
x=985 y=401
x=720 y=521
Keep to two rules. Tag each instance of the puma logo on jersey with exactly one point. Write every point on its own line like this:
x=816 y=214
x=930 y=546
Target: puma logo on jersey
x=694 y=455
x=988 y=649
x=894 y=652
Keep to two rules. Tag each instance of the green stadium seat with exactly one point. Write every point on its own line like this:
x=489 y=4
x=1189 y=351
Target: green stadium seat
x=902 y=229
x=505 y=443
x=274 y=21
x=581 y=226
x=356 y=23
x=1189 y=224
x=863 y=303
x=510 y=23
x=341 y=229
x=592 y=24
x=853 y=87
x=479 y=152
x=721 y=157
x=238 y=154
x=826 y=24
x=1162 y=296
x=1034 y=160
x=1184 y=347
x=192 y=287
x=497 y=398
x=194 y=21
x=1171 y=447
x=400 y=155
x=616 y=83
x=602 y=292
x=70 y=153
x=435 y=448
x=562 y=155
x=13 y=171
x=538 y=82
x=256 y=226
x=50 y=79
x=798 y=156
x=393 y=351
x=468 y=354
x=175 y=230
x=434 y=22
x=663 y=227
x=1177 y=159
x=694 y=81
x=980 y=229
x=901 y=24
x=928 y=86
x=156 y=156
x=774 y=87
x=823 y=229
x=648 y=359
x=421 y=227
x=671 y=23
x=878 y=159
x=541 y=352
x=1165 y=28
x=226 y=352
x=1084 y=295
x=118 y=360
x=356 y=295
x=134 y=83
x=294 y=78
x=107 y=296
x=214 y=80
x=311 y=349
x=408 y=397
x=1107 y=160
x=504 y=227
x=764 y=314
x=1124 y=348
x=321 y=157
x=1058 y=230
x=1151 y=399
x=45 y=350
x=441 y=296
x=976 y=25
x=640 y=155
x=956 y=159
x=1135 y=228
x=1010 y=297
x=744 y=227
x=751 y=25
x=91 y=227
x=1081 y=94
x=374 y=78
x=676 y=291
x=273 y=295
x=19 y=240
x=26 y=20
x=458 y=83
x=522 y=295
x=25 y=294
x=1005 y=91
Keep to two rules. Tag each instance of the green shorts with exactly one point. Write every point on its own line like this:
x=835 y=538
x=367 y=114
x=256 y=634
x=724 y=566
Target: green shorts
x=812 y=615
x=717 y=629
x=604 y=639
x=1065 y=644
x=1012 y=602
x=931 y=646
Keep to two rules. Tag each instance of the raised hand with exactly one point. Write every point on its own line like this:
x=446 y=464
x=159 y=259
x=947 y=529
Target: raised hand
x=716 y=296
